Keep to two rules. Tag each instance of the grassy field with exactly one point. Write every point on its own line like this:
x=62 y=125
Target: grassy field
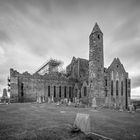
x=47 y=121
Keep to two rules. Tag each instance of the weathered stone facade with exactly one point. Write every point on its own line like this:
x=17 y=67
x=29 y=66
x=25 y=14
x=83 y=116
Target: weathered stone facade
x=84 y=78
x=27 y=88
x=96 y=65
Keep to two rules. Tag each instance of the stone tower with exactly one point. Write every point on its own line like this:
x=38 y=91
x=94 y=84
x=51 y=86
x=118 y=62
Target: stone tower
x=96 y=65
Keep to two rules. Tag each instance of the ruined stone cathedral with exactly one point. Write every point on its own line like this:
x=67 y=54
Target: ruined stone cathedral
x=84 y=79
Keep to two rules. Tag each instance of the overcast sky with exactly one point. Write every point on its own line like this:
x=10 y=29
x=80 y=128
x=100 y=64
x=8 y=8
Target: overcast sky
x=32 y=31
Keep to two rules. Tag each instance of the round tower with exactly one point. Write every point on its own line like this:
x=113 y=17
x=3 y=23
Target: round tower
x=96 y=65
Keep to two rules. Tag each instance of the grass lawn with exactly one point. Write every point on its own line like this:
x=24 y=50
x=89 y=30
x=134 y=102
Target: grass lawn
x=47 y=121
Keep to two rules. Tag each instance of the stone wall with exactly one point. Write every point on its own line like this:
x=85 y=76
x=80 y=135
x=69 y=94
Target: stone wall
x=78 y=69
x=118 y=85
x=27 y=88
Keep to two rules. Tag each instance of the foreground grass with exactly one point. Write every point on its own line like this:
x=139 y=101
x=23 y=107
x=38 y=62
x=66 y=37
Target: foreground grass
x=47 y=121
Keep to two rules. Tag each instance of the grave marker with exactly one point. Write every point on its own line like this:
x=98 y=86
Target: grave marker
x=82 y=122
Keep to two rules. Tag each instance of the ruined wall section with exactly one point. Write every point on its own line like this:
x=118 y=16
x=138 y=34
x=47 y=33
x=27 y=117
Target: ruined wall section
x=78 y=70
x=14 y=85
x=27 y=88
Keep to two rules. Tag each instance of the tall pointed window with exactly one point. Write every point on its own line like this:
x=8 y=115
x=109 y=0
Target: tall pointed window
x=85 y=91
x=112 y=87
x=22 y=93
x=54 y=91
x=75 y=92
x=65 y=91
x=60 y=91
x=105 y=82
x=117 y=88
x=106 y=93
x=122 y=88
x=69 y=92
x=49 y=91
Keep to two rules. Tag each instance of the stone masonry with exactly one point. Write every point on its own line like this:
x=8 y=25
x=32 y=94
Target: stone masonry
x=83 y=79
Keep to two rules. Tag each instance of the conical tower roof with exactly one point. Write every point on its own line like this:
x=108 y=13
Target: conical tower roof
x=96 y=28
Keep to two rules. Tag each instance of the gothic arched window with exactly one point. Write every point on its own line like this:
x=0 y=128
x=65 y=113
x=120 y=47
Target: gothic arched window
x=112 y=87
x=85 y=91
x=59 y=91
x=122 y=88
x=48 y=91
x=98 y=36
x=117 y=88
x=54 y=91
x=65 y=91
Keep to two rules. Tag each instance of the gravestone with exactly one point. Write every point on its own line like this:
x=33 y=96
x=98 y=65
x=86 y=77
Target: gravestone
x=43 y=99
x=94 y=105
x=69 y=103
x=49 y=100
x=131 y=108
x=52 y=99
x=121 y=108
x=82 y=122
x=39 y=99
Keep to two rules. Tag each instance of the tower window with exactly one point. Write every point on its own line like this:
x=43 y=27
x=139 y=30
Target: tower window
x=98 y=36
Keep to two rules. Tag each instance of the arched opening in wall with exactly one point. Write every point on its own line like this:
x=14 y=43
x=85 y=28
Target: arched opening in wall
x=22 y=92
x=121 y=88
x=65 y=91
x=60 y=91
x=49 y=94
x=98 y=36
x=85 y=91
x=76 y=92
x=54 y=91
x=69 y=92
x=80 y=94
x=106 y=93
x=105 y=82
x=117 y=88
x=111 y=87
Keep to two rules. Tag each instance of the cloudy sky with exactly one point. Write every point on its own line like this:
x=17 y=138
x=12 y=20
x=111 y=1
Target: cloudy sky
x=32 y=31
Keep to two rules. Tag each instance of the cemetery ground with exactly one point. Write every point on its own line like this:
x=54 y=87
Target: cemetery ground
x=50 y=122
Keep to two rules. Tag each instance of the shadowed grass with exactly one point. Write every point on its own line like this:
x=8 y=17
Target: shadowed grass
x=47 y=121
